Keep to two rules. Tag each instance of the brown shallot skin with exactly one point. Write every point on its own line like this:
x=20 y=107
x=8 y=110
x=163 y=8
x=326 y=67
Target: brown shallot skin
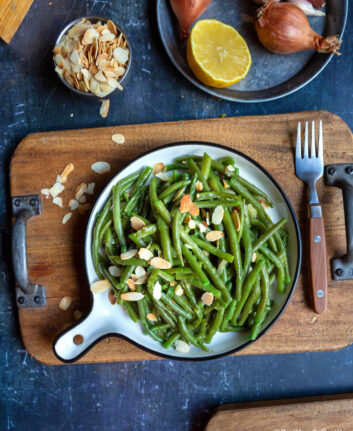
x=283 y=28
x=187 y=12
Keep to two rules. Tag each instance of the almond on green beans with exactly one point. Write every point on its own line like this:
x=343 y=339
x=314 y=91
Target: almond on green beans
x=131 y=284
x=214 y=235
x=186 y=205
x=157 y=168
x=151 y=317
x=157 y=291
x=236 y=220
x=145 y=254
x=114 y=271
x=132 y=296
x=128 y=254
x=100 y=286
x=217 y=215
x=159 y=263
x=179 y=291
x=207 y=298
x=182 y=347
x=137 y=223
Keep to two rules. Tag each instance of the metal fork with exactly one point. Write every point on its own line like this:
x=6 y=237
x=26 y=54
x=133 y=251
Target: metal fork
x=310 y=169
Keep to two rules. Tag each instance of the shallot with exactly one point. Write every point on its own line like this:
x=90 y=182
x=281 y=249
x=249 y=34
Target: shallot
x=283 y=28
x=187 y=12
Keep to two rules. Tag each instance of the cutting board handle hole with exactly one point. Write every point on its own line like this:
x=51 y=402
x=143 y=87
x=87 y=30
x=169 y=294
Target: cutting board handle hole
x=78 y=339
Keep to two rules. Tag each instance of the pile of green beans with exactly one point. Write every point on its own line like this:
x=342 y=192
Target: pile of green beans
x=237 y=271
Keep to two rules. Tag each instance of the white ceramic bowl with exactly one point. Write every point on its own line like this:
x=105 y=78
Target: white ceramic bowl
x=107 y=319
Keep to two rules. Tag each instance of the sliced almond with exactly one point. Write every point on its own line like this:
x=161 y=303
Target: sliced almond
x=58 y=201
x=121 y=55
x=230 y=168
x=132 y=296
x=118 y=138
x=66 y=217
x=45 y=192
x=159 y=263
x=90 y=188
x=162 y=176
x=186 y=205
x=199 y=186
x=207 y=298
x=142 y=280
x=66 y=172
x=140 y=271
x=145 y=254
x=100 y=167
x=56 y=189
x=115 y=271
x=131 y=284
x=253 y=257
x=77 y=314
x=236 y=220
x=90 y=35
x=83 y=199
x=157 y=168
x=128 y=254
x=264 y=203
x=181 y=346
x=226 y=183
x=214 y=235
x=157 y=291
x=100 y=286
x=104 y=110
x=137 y=223
x=217 y=215
x=179 y=291
x=73 y=204
x=221 y=266
x=65 y=302
x=151 y=317
x=202 y=228
x=192 y=224
x=80 y=190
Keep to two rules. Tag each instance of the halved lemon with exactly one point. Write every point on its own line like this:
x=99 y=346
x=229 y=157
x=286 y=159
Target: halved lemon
x=217 y=54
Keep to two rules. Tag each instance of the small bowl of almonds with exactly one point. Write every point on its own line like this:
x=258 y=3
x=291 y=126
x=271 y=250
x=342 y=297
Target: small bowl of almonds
x=92 y=57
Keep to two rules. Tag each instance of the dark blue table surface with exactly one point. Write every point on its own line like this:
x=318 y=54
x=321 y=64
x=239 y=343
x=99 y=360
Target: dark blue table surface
x=151 y=395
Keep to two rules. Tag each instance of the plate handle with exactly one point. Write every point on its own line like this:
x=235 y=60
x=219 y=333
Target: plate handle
x=28 y=294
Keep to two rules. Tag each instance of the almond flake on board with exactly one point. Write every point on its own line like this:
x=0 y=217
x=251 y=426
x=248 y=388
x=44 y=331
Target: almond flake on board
x=114 y=271
x=77 y=314
x=104 y=109
x=159 y=263
x=217 y=215
x=118 y=138
x=151 y=317
x=90 y=188
x=100 y=286
x=214 y=235
x=56 y=189
x=65 y=303
x=145 y=254
x=157 y=168
x=73 y=204
x=66 y=217
x=132 y=296
x=80 y=191
x=45 y=192
x=128 y=254
x=66 y=172
x=157 y=291
x=182 y=347
x=137 y=223
x=58 y=201
x=100 y=167
x=207 y=298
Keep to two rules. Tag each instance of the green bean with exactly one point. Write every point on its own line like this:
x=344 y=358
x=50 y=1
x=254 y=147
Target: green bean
x=196 y=170
x=277 y=261
x=96 y=234
x=160 y=327
x=175 y=307
x=248 y=284
x=268 y=234
x=217 y=321
x=172 y=188
x=192 y=261
x=176 y=236
x=206 y=165
x=252 y=188
x=128 y=262
x=213 y=250
x=249 y=304
x=265 y=292
x=215 y=195
x=145 y=174
x=206 y=288
x=163 y=212
x=213 y=204
x=163 y=229
x=185 y=332
x=228 y=314
x=171 y=340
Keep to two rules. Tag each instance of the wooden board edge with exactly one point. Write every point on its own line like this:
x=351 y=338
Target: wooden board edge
x=223 y=409
x=7 y=36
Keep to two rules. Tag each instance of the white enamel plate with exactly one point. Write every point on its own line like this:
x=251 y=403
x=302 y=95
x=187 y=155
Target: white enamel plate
x=107 y=319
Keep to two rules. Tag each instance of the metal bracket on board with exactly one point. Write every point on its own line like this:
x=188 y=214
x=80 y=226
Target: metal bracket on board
x=341 y=175
x=27 y=294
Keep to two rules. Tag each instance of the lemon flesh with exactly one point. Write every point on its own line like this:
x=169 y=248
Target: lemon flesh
x=217 y=54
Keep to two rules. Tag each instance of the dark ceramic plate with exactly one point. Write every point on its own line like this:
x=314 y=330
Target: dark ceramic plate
x=271 y=76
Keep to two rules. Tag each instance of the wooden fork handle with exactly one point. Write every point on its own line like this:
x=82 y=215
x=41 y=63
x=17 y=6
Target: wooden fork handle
x=318 y=259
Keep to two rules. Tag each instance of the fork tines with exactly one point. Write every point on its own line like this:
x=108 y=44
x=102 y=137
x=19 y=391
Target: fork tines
x=313 y=152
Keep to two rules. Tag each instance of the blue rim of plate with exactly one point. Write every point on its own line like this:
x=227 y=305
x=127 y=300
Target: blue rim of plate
x=228 y=352
x=279 y=92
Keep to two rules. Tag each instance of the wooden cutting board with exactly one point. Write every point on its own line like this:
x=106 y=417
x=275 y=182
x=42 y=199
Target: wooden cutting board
x=55 y=251
x=327 y=413
x=12 y=13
